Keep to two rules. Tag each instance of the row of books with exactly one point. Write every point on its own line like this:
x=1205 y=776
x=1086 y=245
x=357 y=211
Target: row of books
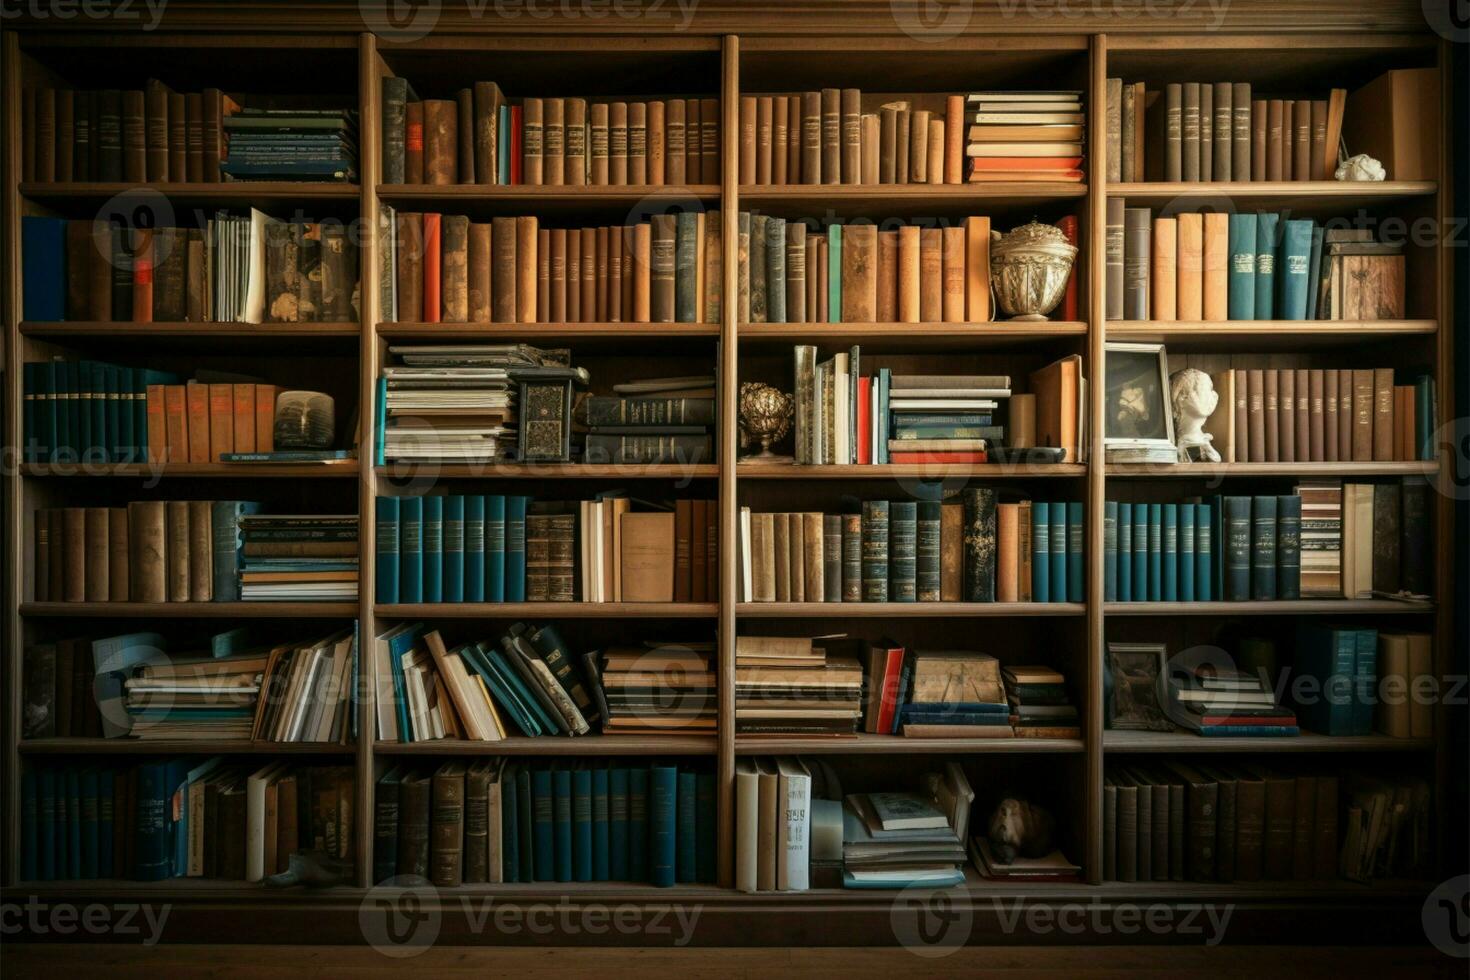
x=1365 y=680
x=202 y=422
x=247 y=268
x=1366 y=540
x=1298 y=415
x=497 y=820
x=1237 y=822
x=155 y=134
x=1025 y=136
x=480 y=137
x=1215 y=701
x=291 y=144
x=1203 y=131
x=1248 y=266
x=94 y=411
x=181 y=818
x=974 y=549
x=447 y=268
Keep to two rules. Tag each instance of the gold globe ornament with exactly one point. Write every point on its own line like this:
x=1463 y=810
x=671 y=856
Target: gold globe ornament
x=765 y=418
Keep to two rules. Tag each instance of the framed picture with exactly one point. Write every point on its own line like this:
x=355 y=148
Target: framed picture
x=1135 y=678
x=1136 y=410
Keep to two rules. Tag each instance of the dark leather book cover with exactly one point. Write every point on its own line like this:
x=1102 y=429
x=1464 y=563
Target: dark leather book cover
x=686 y=262
x=902 y=548
x=662 y=272
x=1235 y=523
x=441 y=145
x=464 y=113
x=1387 y=511
x=1225 y=820
x=487 y=102
x=80 y=250
x=339 y=274
x=1288 y=547
x=927 y=570
x=385 y=825
x=1416 y=573
x=170 y=269
x=1280 y=825
x=1250 y=825
x=1304 y=829
x=454 y=268
x=1263 y=547
x=413 y=142
x=133 y=128
x=155 y=130
x=875 y=551
x=979 y=554
x=178 y=138
x=394 y=123
x=108 y=136
x=852 y=558
x=1114 y=247
x=1137 y=232
x=410 y=232
x=476 y=861
x=414 y=795
x=1325 y=848
x=1201 y=801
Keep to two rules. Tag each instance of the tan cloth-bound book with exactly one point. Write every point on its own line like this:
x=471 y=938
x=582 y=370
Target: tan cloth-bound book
x=953 y=262
x=1162 y=301
x=117 y=554
x=886 y=310
x=96 y=566
x=765 y=108
x=1189 y=267
x=919 y=147
x=954 y=140
x=201 y=544
x=1216 y=253
x=780 y=138
x=931 y=275
x=647 y=557
x=978 y=308
x=478 y=258
x=441 y=147
x=148 y=537
x=781 y=555
x=852 y=135
x=910 y=273
x=177 y=546
x=574 y=143
x=657 y=144
x=859 y=273
x=872 y=146
x=1007 y=561
x=936 y=151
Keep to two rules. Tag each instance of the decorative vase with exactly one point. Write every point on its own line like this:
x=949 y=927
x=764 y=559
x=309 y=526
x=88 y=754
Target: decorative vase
x=765 y=418
x=1029 y=268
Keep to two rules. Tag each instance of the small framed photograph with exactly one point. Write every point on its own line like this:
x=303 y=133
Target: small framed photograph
x=1135 y=681
x=1136 y=411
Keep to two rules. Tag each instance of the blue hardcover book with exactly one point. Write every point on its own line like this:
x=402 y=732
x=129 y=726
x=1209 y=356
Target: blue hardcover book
x=105 y=822
x=561 y=822
x=494 y=548
x=43 y=279
x=46 y=820
x=617 y=825
x=1076 y=588
x=226 y=545
x=126 y=437
x=1236 y=532
x=706 y=822
x=1040 y=551
x=1186 y=553
x=525 y=821
x=1266 y=252
x=1242 y=731
x=1169 y=587
x=1288 y=547
x=1155 y=552
x=903 y=530
x=1328 y=655
x=1314 y=271
x=1110 y=551
x=385 y=826
x=33 y=391
x=474 y=548
x=1292 y=279
x=104 y=411
x=1365 y=679
x=497 y=660
x=454 y=548
x=515 y=548
x=1204 y=564
x=87 y=790
x=581 y=783
x=638 y=824
x=504 y=144
x=915 y=714
x=662 y=824
x=834 y=273
x=380 y=440
x=1140 y=553
x=601 y=831
x=544 y=847
x=433 y=537
x=1263 y=547
x=411 y=549
x=1125 y=551
x=1057 y=561
x=1241 y=275
x=686 y=832
x=74 y=825
x=388 y=557
x=30 y=831
x=399 y=644
x=510 y=808
x=905 y=679
x=153 y=841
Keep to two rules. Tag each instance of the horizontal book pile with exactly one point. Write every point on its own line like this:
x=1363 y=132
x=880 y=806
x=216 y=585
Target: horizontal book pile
x=248 y=268
x=1365 y=680
x=155 y=134
x=481 y=137
x=1218 y=702
x=291 y=144
x=453 y=404
x=1041 y=707
x=1236 y=822
x=447 y=268
x=968 y=550
x=298 y=557
x=1258 y=266
x=1027 y=136
x=496 y=548
x=1298 y=415
x=649 y=422
x=181 y=818
x=1204 y=131
x=657 y=688
x=796 y=686
x=897 y=840
x=500 y=820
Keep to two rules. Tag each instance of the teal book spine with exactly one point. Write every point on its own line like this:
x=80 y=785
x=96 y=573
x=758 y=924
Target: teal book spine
x=30 y=831
x=1076 y=588
x=494 y=548
x=1186 y=553
x=433 y=535
x=662 y=824
x=1329 y=656
x=544 y=847
x=706 y=826
x=834 y=273
x=74 y=828
x=1169 y=587
x=515 y=548
x=875 y=550
x=103 y=434
x=1155 y=552
x=454 y=548
x=1204 y=564
x=926 y=549
x=1292 y=278
x=106 y=821
x=225 y=545
x=1288 y=547
x=903 y=533
x=638 y=824
x=775 y=270
x=1140 y=553
x=1125 y=551
x=46 y=821
x=87 y=792
x=1237 y=534
x=686 y=831
x=1040 y=551
x=474 y=548
x=1241 y=277
x=1424 y=417
x=561 y=822
x=1266 y=272
x=504 y=144
x=601 y=826
x=510 y=808
x=43 y=268
x=1365 y=679
x=1057 y=561
x=79 y=378
x=126 y=439
x=905 y=678
x=36 y=447
x=56 y=411
x=1263 y=548
x=411 y=549
x=526 y=820
x=380 y=437
x=388 y=558
x=581 y=824
x=1110 y=551
x=151 y=843
x=1314 y=271
x=617 y=823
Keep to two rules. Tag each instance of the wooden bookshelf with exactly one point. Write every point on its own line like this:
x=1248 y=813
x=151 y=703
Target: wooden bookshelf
x=188 y=610
x=1185 y=743
x=345 y=468
x=1268 y=335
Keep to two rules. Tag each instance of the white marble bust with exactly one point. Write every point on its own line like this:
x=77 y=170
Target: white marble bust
x=1193 y=397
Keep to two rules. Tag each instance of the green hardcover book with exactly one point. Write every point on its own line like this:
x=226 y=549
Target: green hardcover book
x=926 y=550
x=581 y=824
x=1288 y=546
x=411 y=550
x=617 y=844
x=1365 y=680
x=706 y=827
x=543 y=820
x=1293 y=275
x=1125 y=551
x=1155 y=552
x=903 y=519
x=561 y=823
x=1059 y=546
x=686 y=830
x=1110 y=551
x=1235 y=528
x=1040 y=551
x=1186 y=553
x=1329 y=656
x=1266 y=252
x=875 y=550
x=1263 y=547
x=433 y=549
x=601 y=825
x=1241 y=280
x=834 y=273
x=686 y=259
x=775 y=270
x=759 y=286
x=638 y=824
x=1170 y=584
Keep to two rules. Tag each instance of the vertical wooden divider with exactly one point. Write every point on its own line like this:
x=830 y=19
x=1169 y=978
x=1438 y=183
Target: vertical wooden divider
x=1095 y=254
x=12 y=575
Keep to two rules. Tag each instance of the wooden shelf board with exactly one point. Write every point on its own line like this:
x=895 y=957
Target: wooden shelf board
x=1281 y=607
x=881 y=194
x=232 y=471
x=1306 y=193
x=550 y=471
x=189 y=610
x=542 y=197
x=553 y=610
x=925 y=471
x=904 y=610
x=1305 y=742
x=910 y=337
x=177 y=746
x=256 y=192
x=598 y=745
x=1266 y=334
x=1205 y=471
x=584 y=335
x=866 y=744
x=95 y=329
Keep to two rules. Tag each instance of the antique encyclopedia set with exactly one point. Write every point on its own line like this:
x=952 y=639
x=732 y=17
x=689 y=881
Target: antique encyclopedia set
x=1102 y=394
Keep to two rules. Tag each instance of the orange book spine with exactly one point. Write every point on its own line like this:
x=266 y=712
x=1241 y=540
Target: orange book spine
x=265 y=418
x=1165 y=258
x=243 y=414
x=954 y=139
x=977 y=269
x=432 y=308
x=954 y=275
x=1189 y=266
x=157 y=425
x=221 y=420
x=909 y=272
x=178 y=411
x=1216 y=253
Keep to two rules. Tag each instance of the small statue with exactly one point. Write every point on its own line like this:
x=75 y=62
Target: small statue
x=1020 y=828
x=1360 y=166
x=1193 y=397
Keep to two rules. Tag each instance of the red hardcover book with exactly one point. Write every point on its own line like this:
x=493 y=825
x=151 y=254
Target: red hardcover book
x=892 y=668
x=1025 y=163
x=1213 y=720
x=865 y=421
x=1068 y=225
x=515 y=144
x=431 y=267
x=935 y=457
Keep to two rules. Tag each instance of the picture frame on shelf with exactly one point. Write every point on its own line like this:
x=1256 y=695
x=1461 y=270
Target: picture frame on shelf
x=1135 y=677
x=1138 y=418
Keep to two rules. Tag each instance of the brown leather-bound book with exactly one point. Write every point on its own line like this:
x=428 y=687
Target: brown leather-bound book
x=887 y=143
x=859 y=273
x=543 y=274
x=951 y=551
x=796 y=273
x=73 y=554
x=503 y=270
x=781 y=556
x=662 y=268
x=454 y=298
x=1316 y=412
x=931 y=275
x=1383 y=414
x=1240 y=131
x=201 y=544
x=597 y=148
x=699 y=583
x=886 y=308
x=818 y=246
x=1164 y=278
x=97 y=271
x=1329 y=415
x=441 y=144
x=1288 y=139
x=464 y=111
x=1223 y=152
x=796 y=562
x=533 y=146
x=1206 y=131
x=693 y=143
x=177 y=550
x=711 y=124
x=413 y=143
x=919 y=147
x=617 y=143
x=1363 y=441
x=711 y=286
x=1317 y=165
x=1260 y=114
x=1346 y=416
x=1256 y=420
x=1403 y=415
x=574 y=143
x=79 y=264
x=221 y=420
x=1240 y=392
x=56 y=553
x=446 y=862
x=764 y=109
x=910 y=301
x=656 y=144
x=780 y=139
x=953 y=273
x=484 y=133
x=1007 y=553
x=1275 y=139
x=978 y=307
x=525 y=269
x=831 y=136
x=117 y=554
x=641 y=272
x=1301 y=141
x=762 y=558
x=187 y=408
x=852 y=135
x=872 y=148
x=587 y=266
x=95 y=553
x=41 y=556
x=954 y=139
x=683 y=518
x=553 y=141
x=433 y=266
x=811 y=137
x=637 y=143
x=170 y=274
x=410 y=266
x=197 y=277
x=134 y=138
x=1285 y=414
x=936 y=151
x=556 y=311
x=156 y=128
x=573 y=260
x=142 y=244
x=265 y=417
x=1302 y=417
x=1271 y=407
x=478 y=259
x=1190 y=140
x=748 y=112
x=902 y=169
x=1189 y=268
x=242 y=415
x=1216 y=264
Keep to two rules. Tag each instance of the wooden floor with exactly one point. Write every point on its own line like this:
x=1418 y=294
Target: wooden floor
x=311 y=962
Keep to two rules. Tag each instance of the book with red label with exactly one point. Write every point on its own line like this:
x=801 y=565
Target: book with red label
x=939 y=457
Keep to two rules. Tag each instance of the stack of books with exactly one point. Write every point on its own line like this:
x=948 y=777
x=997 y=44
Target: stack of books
x=453 y=404
x=894 y=840
x=291 y=144
x=937 y=418
x=1053 y=866
x=196 y=699
x=298 y=575
x=658 y=420
x=1220 y=702
x=1040 y=705
x=1026 y=136
x=659 y=689
x=308 y=691
x=952 y=695
x=1386 y=834
x=791 y=685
